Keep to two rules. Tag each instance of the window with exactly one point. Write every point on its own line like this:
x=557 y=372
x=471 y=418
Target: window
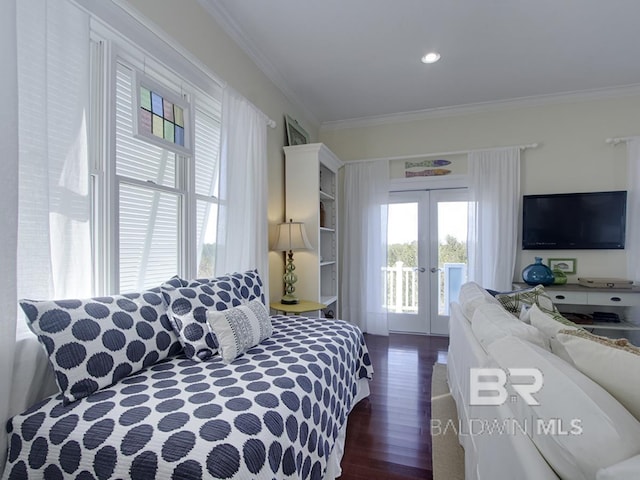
x=156 y=202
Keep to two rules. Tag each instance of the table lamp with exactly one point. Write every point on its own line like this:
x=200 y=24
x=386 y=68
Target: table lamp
x=291 y=236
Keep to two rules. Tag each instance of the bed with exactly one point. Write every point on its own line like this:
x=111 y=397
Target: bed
x=278 y=411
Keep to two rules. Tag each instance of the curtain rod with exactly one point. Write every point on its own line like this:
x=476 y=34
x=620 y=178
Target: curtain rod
x=616 y=140
x=438 y=154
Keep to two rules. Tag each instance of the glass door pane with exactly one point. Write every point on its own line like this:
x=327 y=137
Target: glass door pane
x=402 y=258
x=450 y=229
x=406 y=283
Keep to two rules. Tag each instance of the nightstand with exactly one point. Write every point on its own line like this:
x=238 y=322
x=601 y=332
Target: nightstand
x=301 y=307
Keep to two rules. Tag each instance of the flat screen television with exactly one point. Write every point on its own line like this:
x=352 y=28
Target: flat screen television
x=595 y=220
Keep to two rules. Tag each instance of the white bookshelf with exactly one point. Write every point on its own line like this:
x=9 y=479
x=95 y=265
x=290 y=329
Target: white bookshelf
x=311 y=178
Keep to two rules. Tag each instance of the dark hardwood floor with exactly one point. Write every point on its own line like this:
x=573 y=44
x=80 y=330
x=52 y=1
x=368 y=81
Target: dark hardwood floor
x=388 y=435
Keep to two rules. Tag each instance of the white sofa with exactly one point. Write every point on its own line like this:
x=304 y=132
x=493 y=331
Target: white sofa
x=579 y=430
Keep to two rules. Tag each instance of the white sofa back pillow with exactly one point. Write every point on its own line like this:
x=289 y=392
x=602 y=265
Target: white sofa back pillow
x=603 y=432
x=491 y=322
x=473 y=295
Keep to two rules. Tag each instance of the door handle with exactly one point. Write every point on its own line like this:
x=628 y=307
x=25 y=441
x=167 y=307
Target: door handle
x=419 y=269
x=434 y=269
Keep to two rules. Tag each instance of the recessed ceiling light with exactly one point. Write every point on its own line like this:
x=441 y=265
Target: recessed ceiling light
x=431 y=57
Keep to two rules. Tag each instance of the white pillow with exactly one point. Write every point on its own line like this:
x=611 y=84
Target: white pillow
x=548 y=324
x=471 y=296
x=607 y=362
x=491 y=322
x=240 y=328
x=525 y=314
x=625 y=470
x=603 y=432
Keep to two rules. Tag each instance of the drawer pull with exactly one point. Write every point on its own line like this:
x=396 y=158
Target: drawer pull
x=560 y=297
x=616 y=299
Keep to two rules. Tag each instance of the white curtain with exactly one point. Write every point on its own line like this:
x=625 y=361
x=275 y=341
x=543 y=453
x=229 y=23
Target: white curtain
x=45 y=247
x=633 y=209
x=494 y=201
x=364 y=245
x=242 y=242
x=633 y=225
x=8 y=212
x=54 y=242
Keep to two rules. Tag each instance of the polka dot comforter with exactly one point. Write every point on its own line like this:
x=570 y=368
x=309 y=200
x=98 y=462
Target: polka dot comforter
x=275 y=412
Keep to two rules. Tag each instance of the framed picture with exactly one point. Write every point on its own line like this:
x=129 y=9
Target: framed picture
x=296 y=135
x=565 y=265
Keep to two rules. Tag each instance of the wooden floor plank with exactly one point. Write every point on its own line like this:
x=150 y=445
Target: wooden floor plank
x=388 y=433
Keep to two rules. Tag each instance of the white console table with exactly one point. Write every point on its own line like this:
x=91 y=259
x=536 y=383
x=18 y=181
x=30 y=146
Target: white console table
x=573 y=297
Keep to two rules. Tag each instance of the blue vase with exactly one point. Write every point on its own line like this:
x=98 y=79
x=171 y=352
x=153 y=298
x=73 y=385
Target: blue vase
x=537 y=273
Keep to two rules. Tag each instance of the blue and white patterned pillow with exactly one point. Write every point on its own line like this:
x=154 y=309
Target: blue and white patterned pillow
x=189 y=302
x=93 y=343
x=246 y=286
x=240 y=328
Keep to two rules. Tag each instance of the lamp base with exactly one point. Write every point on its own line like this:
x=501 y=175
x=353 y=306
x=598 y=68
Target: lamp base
x=289 y=300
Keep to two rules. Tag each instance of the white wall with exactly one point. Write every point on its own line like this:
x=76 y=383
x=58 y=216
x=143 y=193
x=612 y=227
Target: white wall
x=572 y=156
x=194 y=29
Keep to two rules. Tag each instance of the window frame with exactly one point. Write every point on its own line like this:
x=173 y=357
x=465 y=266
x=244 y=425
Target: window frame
x=108 y=48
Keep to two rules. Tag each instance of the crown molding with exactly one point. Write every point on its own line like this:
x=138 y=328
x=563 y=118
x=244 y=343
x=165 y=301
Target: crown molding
x=523 y=102
x=231 y=27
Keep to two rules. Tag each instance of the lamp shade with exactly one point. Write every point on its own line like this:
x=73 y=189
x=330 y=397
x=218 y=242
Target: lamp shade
x=291 y=236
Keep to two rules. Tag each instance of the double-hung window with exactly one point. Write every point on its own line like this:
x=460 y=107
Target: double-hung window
x=155 y=177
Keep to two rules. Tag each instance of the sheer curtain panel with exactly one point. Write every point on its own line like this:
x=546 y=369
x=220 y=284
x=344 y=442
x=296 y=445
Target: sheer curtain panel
x=633 y=209
x=53 y=237
x=633 y=226
x=494 y=203
x=242 y=242
x=8 y=212
x=54 y=243
x=364 y=245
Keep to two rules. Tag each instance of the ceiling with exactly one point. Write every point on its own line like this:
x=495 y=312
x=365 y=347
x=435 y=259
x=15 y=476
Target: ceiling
x=350 y=59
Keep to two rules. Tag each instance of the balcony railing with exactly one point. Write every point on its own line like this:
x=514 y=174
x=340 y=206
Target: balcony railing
x=401 y=287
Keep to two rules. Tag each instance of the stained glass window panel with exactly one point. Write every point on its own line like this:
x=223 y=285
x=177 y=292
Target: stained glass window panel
x=157 y=104
x=160 y=117
x=168 y=110
x=179 y=136
x=145 y=98
x=168 y=131
x=179 y=115
x=158 y=126
x=145 y=121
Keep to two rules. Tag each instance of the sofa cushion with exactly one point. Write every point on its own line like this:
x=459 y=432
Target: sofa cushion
x=93 y=343
x=614 y=364
x=491 y=322
x=471 y=296
x=625 y=470
x=592 y=429
x=189 y=301
x=550 y=323
x=240 y=328
x=513 y=301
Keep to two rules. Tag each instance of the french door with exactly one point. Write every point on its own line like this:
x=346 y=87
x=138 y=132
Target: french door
x=426 y=258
